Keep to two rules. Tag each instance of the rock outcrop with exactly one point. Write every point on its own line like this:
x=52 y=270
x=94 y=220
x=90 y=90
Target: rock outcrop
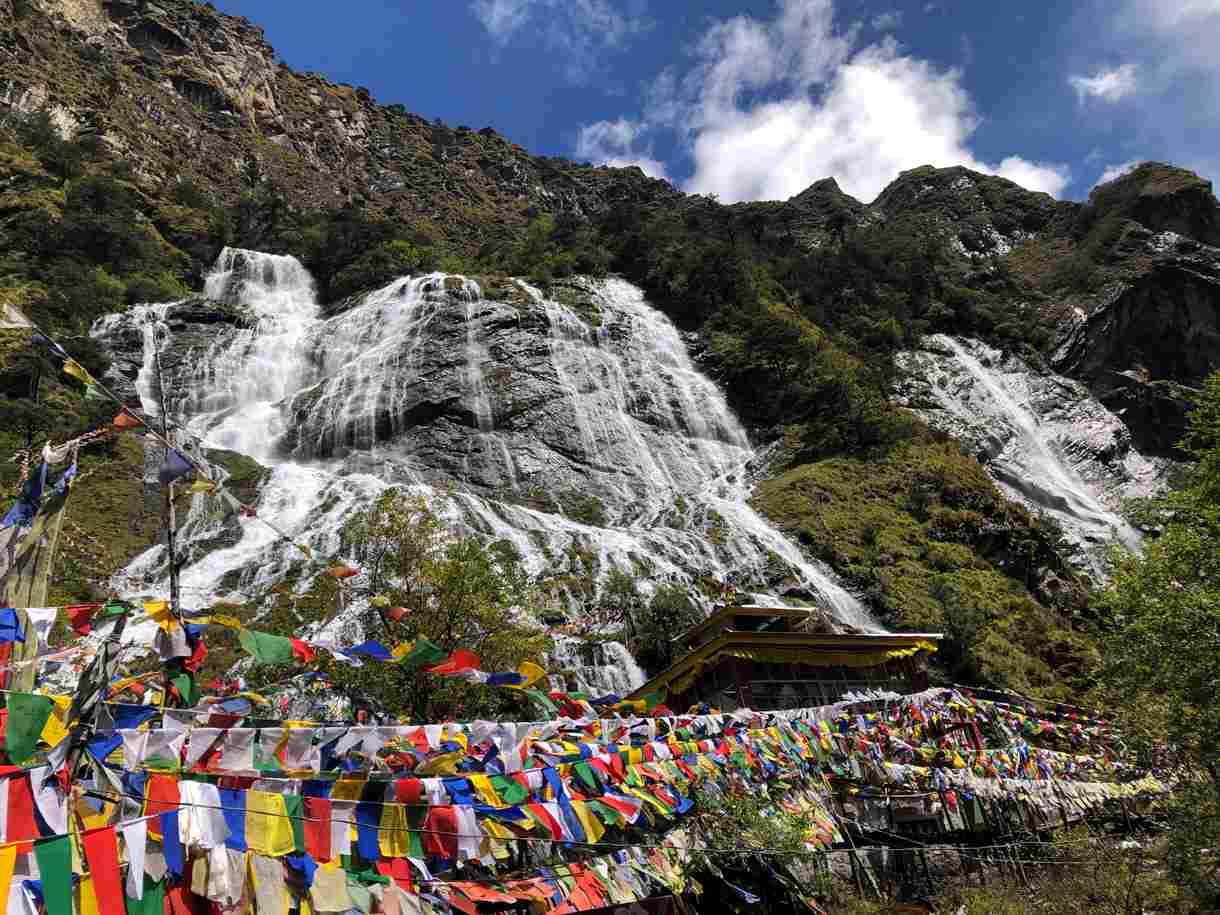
x=1153 y=334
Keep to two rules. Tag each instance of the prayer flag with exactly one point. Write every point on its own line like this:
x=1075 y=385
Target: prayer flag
x=10 y=626
x=459 y=662
x=102 y=853
x=370 y=649
x=54 y=857
x=76 y=370
x=419 y=653
x=303 y=650
x=126 y=420
x=176 y=466
x=11 y=317
x=266 y=648
x=27 y=716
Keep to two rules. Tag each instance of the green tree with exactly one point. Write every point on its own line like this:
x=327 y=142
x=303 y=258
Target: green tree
x=460 y=593
x=1162 y=658
x=669 y=614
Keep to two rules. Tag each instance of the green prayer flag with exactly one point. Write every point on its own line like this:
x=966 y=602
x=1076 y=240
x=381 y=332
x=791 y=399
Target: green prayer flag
x=585 y=773
x=608 y=815
x=266 y=648
x=295 y=806
x=543 y=700
x=423 y=652
x=112 y=608
x=153 y=902
x=416 y=817
x=27 y=714
x=93 y=392
x=510 y=791
x=185 y=684
x=54 y=858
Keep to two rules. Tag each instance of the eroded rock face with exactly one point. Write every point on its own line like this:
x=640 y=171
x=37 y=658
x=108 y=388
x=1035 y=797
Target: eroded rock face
x=1043 y=438
x=1148 y=341
x=578 y=431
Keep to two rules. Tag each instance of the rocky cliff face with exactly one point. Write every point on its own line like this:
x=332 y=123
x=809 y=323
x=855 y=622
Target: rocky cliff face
x=1045 y=440
x=178 y=90
x=580 y=433
x=1150 y=337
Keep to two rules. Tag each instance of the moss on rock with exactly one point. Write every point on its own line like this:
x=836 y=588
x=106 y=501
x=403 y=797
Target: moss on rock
x=932 y=544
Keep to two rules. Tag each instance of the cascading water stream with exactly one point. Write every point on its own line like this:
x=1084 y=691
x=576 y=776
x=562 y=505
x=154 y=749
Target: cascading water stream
x=1023 y=453
x=502 y=403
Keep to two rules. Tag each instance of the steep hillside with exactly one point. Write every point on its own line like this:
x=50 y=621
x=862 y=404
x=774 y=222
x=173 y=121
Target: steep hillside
x=138 y=139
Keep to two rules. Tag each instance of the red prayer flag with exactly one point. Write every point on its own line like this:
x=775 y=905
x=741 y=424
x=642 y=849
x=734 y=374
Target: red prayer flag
x=21 y=826
x=126 y=421
x=440 y=832
x=342 y=572
x=398 y=870
x=317 y=827
x=459 y=661
x=397 y=613
x=548 y=821
x=160 y=796
x=302 y=650
x=81 y=617
x=408 y=790
x=102 y=853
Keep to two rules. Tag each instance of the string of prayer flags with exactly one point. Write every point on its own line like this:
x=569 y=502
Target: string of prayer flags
x=82 y=617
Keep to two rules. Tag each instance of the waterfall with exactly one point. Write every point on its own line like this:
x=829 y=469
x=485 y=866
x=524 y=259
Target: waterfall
x=1046 y=442
x=585 y=437
x=596 y=668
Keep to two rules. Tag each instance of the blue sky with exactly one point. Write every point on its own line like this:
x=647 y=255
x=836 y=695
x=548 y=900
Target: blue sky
x=756 y=99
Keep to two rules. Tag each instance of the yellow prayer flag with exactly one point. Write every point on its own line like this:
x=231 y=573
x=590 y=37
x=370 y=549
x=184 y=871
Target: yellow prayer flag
x=8 y=860
x=76 y=370
x=56 y=728
x=159 y=612
x=532 y=673
x=229 y=622
x=347 y=789
x=268 y=829
x=88 y=897
x=483 y=788
x=392 y=836
x=594 y=830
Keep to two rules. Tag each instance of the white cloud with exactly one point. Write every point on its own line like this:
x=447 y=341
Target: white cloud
x=768 y=107
x=887 y=21
x=1173 y=43
x=1108 y=85
x=613 y=143
x=1117 y=171
x=577 y=29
